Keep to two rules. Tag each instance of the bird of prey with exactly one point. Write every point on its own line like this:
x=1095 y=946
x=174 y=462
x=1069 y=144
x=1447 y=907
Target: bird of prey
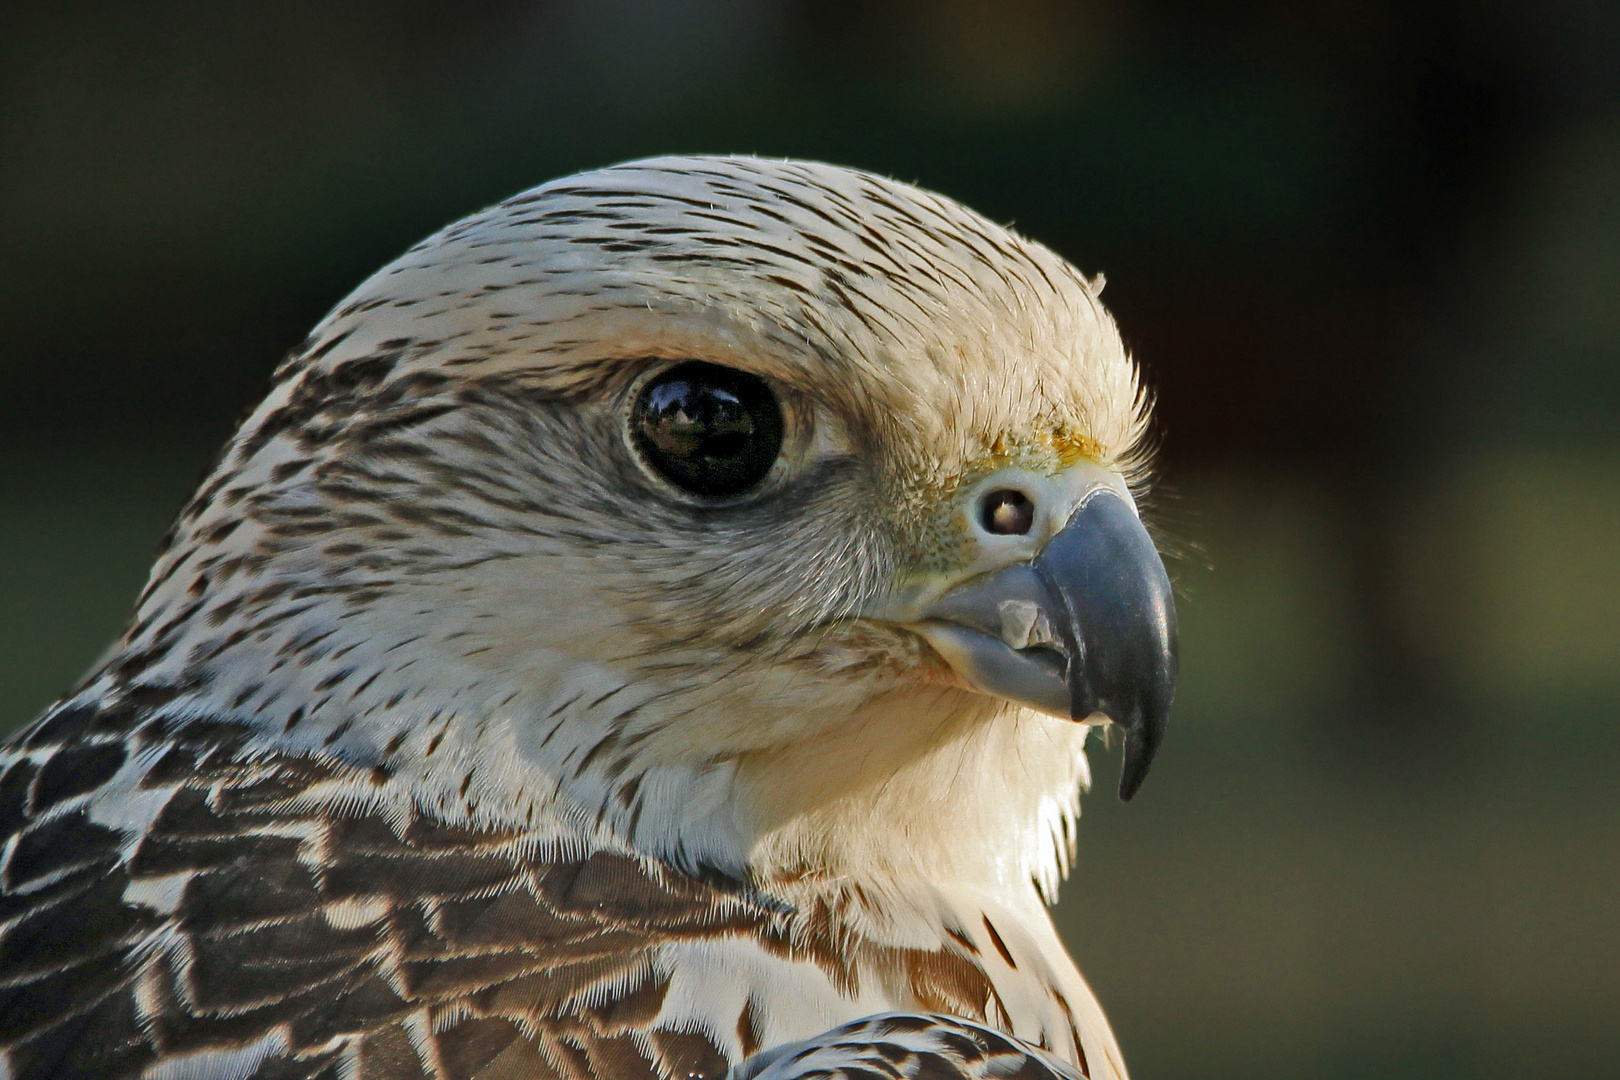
x=649 y=631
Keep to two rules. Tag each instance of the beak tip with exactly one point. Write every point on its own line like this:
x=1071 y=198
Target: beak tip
x=1132 y=773
x=1142 y=741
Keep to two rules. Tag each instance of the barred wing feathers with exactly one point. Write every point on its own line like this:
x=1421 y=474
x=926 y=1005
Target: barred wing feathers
x=908 y=1046
x=174 y=907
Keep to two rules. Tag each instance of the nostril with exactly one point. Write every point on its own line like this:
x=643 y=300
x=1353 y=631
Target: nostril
x=1007 y=513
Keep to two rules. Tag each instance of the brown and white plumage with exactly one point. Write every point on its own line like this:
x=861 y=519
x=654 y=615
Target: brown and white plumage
x=446 y=741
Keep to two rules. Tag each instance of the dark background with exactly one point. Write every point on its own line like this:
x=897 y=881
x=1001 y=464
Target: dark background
x=1368 y=251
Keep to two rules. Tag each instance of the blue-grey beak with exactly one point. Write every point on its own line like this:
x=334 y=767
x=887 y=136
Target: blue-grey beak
x=1086 y=628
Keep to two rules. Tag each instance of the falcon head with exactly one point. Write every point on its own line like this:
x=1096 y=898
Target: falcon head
x=759 y=513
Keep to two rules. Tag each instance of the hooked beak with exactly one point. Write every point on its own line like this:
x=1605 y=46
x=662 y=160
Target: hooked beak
x=1087 y=627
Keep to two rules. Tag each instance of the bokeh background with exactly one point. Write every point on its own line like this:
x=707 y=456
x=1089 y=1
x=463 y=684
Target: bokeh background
x=1368 y=251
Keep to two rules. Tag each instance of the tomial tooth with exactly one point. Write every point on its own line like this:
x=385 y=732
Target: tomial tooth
x=1042 y=633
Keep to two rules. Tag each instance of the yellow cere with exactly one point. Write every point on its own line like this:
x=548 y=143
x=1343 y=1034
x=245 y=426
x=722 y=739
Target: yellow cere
x=943 y=542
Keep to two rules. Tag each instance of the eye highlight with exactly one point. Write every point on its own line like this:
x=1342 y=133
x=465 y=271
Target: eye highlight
x=711 y=431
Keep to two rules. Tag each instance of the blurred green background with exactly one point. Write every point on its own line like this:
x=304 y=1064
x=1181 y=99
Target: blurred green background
x=1368 y=251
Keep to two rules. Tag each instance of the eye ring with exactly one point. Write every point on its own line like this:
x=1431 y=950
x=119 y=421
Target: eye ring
x=711 y=431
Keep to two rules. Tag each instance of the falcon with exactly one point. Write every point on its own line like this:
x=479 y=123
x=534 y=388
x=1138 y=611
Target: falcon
x=649 y=631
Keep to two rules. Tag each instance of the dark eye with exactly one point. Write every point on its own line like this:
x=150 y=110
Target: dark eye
x=710 y=430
